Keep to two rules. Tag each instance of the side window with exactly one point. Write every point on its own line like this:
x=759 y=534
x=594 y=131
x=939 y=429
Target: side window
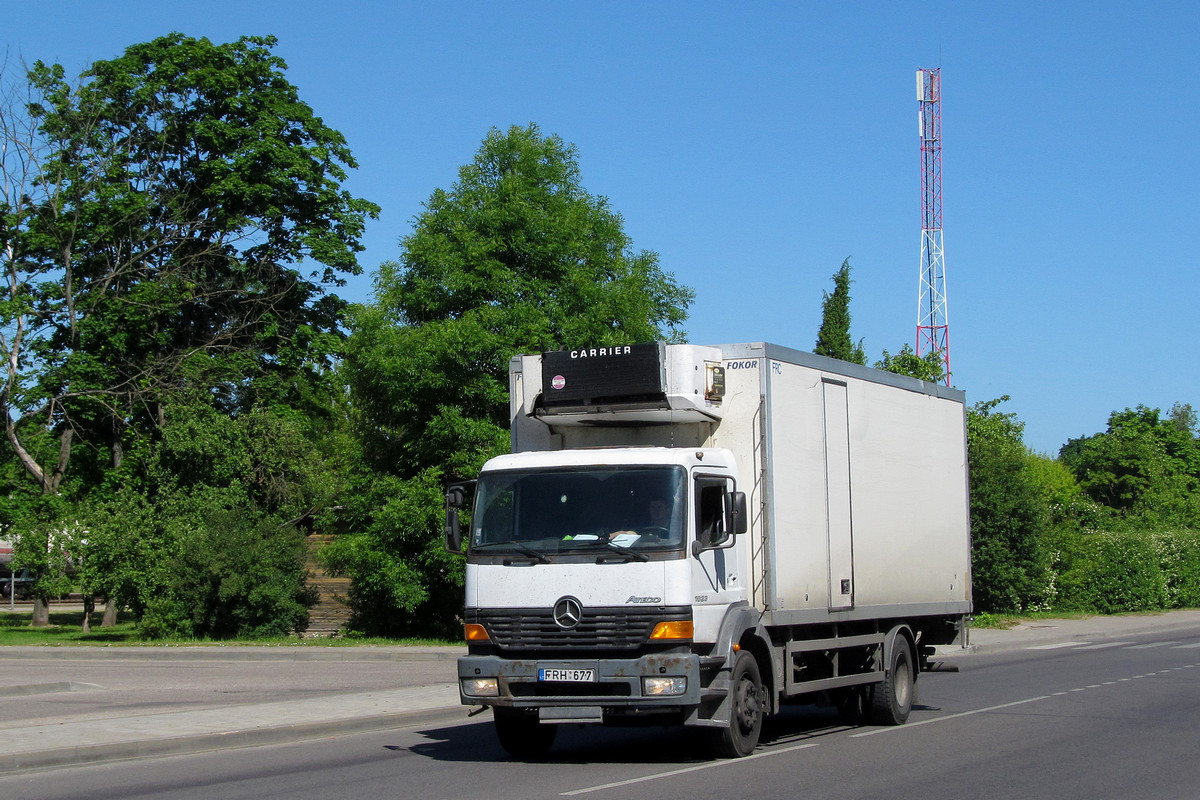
x=496 y=517
x=710 y=511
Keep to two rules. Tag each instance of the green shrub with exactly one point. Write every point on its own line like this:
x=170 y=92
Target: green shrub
x=1110 y=572
x=1179 y=559
x=233 y=576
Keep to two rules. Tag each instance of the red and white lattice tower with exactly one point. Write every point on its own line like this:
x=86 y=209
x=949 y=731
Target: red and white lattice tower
x=933 y=325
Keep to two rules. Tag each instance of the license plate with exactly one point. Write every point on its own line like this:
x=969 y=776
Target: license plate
x=567 y=675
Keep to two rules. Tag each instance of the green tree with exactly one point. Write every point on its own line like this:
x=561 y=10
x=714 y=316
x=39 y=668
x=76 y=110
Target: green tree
x=928 y=367
x=833 y=338
x=515 y=257
x=1144 y=467
x=174 y=221
x=1010 y=562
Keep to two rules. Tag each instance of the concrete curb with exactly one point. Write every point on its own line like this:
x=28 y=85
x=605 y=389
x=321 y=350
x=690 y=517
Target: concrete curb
x=240 y=653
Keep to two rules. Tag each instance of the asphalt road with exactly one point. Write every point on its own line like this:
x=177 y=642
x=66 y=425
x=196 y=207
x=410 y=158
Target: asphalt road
x=1089 y=718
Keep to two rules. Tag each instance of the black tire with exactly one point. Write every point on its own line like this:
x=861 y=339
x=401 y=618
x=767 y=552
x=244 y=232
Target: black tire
x=521 y=735
x=892 y=698
x=747 y=705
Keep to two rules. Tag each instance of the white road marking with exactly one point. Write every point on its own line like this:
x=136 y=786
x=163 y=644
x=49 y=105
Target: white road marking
x=1150 y=645
x=950 y=716
x=890 y=729
x=1056 y=645
x=1003 y=706
x=710 y=765
x=1103 y=645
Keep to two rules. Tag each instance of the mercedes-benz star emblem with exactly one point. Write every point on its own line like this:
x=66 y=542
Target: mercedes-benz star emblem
x=567 y=612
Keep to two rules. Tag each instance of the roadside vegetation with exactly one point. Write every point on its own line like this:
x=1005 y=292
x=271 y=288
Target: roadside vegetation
x=1111 y=525
x=186 y=398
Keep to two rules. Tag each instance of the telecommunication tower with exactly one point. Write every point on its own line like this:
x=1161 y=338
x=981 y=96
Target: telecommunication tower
x=933 y=326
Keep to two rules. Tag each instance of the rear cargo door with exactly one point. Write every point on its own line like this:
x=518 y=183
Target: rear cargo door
x=837 y=496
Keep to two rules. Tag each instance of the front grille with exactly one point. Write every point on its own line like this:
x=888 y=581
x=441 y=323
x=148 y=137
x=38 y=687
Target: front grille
x=601 y=629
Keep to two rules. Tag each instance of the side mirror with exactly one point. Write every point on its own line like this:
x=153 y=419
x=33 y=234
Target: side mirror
x=456 y=500
x=722 y=514
x=453 y=531
x=739 y=520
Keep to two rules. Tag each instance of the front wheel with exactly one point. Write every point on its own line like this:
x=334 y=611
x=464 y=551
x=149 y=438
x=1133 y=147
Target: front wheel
x=521 y=735
x=892 y=698
x=746 y=708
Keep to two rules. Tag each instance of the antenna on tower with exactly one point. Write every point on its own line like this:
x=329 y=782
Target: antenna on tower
x=933 y=324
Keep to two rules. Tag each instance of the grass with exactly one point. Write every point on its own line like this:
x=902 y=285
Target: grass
x=66 y=630
x=1006 y=621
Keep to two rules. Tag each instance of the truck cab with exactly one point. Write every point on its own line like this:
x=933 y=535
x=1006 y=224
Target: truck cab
x=591 y=574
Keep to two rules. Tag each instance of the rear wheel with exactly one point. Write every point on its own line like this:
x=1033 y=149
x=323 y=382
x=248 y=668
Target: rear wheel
x=746 y=708
x=892 y=698
x=521 y=735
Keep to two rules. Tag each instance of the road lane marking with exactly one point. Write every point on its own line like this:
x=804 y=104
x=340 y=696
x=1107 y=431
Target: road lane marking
x=1150 y=645
x=1103 y=645
x=861 y=734
x=1000 y=707
x=1057 y=645
x=1003 y=706
x=685 y=770
x=1191 y=646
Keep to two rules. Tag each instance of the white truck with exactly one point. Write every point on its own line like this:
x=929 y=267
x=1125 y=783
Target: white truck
x=698 y=535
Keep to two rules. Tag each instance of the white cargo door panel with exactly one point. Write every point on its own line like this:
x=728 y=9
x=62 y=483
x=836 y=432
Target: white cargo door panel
x=799 y=573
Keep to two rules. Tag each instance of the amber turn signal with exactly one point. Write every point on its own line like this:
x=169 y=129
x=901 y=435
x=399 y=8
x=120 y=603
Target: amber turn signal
x=676 y=629
x=474 y=632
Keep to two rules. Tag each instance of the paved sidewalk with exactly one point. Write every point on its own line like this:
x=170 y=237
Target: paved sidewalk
x=1091 y=629
x=77 y=705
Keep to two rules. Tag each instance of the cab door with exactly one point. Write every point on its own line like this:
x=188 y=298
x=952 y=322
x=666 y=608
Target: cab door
x=716 y=572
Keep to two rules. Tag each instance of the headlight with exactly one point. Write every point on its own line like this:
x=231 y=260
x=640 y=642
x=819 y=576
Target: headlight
x=480 y=687
x=663 y=687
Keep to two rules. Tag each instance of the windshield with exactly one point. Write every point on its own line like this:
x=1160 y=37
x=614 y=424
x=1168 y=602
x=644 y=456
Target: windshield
x=598 y=509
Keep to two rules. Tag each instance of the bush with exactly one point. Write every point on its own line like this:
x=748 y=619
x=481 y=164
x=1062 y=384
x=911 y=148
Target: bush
x=1009 y=558
x=232 y=576
x=1179 y=558
x=1110 y=572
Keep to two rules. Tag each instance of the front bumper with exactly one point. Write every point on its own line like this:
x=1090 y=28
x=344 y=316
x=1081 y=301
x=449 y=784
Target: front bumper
x=617 y=690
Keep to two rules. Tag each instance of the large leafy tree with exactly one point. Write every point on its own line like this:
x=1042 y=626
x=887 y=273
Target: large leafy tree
x=833 y=337
x=1145 y=466
x=172 y=221
x=515 y=257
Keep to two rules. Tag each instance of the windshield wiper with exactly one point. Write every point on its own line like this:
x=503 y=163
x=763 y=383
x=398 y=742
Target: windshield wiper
x=625 y=551
x=513 y=543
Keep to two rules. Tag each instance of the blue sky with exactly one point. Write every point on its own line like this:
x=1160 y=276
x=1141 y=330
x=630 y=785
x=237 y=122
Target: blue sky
x=754 y=146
